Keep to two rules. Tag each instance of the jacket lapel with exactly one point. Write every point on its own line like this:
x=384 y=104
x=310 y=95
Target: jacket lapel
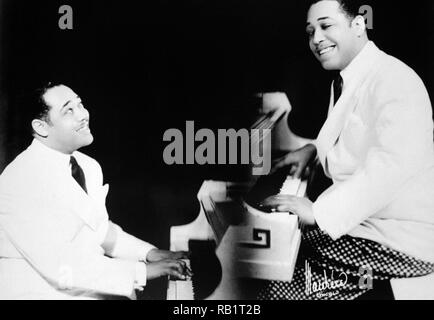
x=83 y=206
x=87 y=206
x=347 y=103
x=335 y=122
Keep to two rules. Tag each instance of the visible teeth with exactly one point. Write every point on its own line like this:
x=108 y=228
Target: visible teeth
x=326 y=50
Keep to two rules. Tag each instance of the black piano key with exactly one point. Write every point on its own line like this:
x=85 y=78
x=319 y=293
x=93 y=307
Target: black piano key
x=265 y=187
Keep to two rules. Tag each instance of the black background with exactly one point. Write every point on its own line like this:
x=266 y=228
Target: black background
x=142 y=68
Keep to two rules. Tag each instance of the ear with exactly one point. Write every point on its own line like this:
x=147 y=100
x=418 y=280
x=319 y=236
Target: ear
x=40 y=127
x=359 y=25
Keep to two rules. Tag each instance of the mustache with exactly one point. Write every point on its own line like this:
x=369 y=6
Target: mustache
x=84 y=124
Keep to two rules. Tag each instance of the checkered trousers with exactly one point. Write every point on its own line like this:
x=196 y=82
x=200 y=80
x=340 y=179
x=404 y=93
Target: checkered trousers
x=342 y=269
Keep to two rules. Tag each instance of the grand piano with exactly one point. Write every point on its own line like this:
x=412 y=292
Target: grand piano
x=235 y=243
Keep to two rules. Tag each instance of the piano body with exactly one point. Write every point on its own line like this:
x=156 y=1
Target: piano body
x=244 y=243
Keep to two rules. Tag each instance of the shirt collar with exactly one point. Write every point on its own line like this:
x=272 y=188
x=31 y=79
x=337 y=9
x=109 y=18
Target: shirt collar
x=50 y=154
x=360 y=64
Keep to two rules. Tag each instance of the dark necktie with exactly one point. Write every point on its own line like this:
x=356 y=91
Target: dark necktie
x=78 y=173
x=338 y=83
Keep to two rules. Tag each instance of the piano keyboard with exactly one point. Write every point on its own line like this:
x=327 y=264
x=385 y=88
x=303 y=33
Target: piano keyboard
x=181 y=289
x=207 y=273
x=279 y=182
x=293 y=186
x=290 y=186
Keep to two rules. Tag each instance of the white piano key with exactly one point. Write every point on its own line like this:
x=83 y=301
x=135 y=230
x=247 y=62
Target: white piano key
x=290 y=186
x=181 y=289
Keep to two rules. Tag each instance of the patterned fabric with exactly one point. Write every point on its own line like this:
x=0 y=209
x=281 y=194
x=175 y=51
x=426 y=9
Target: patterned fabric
x=342 y=269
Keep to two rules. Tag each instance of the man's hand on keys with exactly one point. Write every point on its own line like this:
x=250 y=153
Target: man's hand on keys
x=302 y=207
x=176 y=269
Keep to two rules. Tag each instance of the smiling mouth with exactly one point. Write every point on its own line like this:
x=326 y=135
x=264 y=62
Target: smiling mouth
x=325 y=50
x=84 y=128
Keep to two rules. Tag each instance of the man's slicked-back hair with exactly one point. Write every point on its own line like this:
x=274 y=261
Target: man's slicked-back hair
x=349 y=7
x=36 y=105
x=39 y=105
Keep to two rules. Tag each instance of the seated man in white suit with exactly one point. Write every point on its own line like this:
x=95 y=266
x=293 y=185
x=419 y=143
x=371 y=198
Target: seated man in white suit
x=376 y=222
x=56 y=239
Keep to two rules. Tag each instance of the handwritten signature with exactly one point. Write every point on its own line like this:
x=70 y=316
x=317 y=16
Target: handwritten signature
x=317 y=287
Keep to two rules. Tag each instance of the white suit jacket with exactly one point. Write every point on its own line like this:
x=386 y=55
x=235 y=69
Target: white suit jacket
x=377 y=146
x=55 y=238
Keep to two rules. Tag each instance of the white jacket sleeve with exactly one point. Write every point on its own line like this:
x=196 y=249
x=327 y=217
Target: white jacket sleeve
x=119 y=244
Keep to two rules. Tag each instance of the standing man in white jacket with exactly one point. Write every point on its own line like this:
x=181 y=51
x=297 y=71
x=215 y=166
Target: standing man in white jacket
x=56 y=239
x=377 y=147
